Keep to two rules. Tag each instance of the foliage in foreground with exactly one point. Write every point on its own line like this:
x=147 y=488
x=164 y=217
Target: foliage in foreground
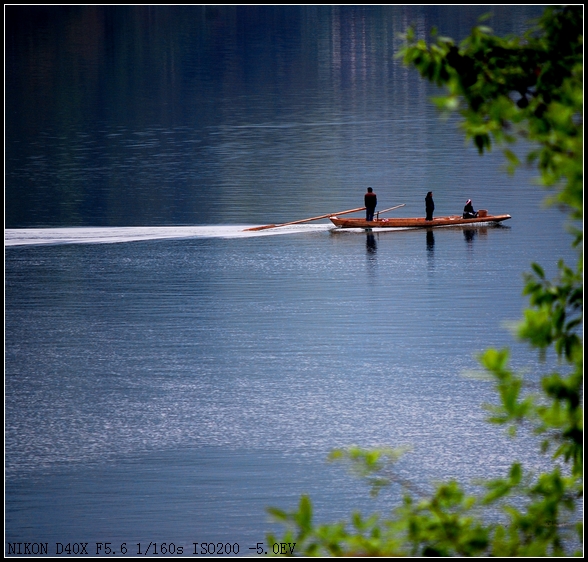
x=504 y=88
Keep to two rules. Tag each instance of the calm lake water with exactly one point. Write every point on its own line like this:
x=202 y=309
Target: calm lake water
x=170 y=376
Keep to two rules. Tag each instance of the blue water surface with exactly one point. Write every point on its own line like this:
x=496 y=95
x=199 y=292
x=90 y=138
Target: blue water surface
x=167 y=386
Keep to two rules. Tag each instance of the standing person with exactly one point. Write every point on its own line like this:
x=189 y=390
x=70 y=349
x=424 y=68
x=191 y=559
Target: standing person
x=429 y=206
x=468 y=210
x=371 y=201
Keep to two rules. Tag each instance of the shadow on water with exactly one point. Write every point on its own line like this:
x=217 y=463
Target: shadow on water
x=469 y=235
x=371 y=248
x=370 y=244
x=430 y=248
x=430 y=240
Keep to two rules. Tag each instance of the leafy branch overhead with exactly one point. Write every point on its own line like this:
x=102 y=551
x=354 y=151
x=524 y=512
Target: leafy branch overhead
x=505 y=88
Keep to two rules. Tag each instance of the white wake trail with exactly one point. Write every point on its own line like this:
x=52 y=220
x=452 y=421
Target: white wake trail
x=111 y=235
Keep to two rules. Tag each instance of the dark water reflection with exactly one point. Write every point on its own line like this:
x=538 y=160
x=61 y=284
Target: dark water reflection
x=430 y=240
x=371 y=244
x=470 y=234
x=152 y=115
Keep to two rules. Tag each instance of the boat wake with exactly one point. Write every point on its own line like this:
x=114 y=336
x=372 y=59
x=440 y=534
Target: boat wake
x=112 y=235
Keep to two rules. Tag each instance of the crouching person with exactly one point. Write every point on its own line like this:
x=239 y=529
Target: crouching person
x=468 y=210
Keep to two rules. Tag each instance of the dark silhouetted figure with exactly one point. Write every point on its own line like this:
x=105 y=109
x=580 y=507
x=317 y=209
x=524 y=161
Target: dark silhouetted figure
x=429 y=206
x=370 y=201
x=468 y=210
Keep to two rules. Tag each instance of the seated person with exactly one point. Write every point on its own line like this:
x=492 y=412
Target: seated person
x=468 y=210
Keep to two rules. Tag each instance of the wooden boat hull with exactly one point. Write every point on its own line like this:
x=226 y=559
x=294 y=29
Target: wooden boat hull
x=417 y=222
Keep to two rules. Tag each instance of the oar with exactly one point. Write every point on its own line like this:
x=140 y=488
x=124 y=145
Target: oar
x=390 y=209
x=305 y=220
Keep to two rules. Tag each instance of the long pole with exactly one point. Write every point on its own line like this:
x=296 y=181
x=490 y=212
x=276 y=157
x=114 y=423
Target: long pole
x=305 y=220
x=390 y=209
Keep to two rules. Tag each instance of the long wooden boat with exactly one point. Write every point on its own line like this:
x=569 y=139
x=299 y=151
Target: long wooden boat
x=417 y=222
